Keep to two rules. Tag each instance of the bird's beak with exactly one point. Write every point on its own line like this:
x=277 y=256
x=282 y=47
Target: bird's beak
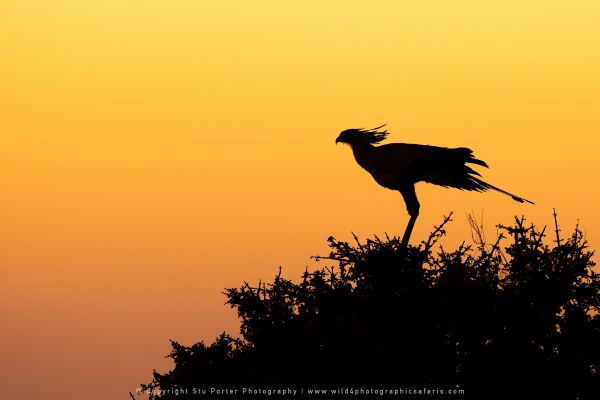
x=337 y=140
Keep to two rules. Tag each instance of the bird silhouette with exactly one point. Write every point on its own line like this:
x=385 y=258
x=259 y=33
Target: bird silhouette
x=398 y=166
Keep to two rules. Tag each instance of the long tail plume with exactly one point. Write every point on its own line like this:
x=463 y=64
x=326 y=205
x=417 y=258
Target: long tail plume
x=515 y=197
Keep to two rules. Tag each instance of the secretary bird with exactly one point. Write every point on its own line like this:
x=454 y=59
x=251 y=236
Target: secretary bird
x=398 y=166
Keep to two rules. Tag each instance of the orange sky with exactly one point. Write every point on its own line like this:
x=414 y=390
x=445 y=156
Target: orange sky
x=155 y=152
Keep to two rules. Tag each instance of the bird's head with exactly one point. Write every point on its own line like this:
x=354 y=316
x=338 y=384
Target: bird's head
x=356 y=136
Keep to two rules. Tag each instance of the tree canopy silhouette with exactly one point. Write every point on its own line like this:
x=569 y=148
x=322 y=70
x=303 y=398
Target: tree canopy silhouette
x=500 y=321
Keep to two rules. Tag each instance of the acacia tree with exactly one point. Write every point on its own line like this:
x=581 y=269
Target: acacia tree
x=500 y=321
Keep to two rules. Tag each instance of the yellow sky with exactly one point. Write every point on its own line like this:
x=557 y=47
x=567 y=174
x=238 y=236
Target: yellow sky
x=154 y=152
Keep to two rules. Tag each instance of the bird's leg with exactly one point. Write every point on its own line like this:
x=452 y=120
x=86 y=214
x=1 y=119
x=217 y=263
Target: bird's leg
x=408 y=230
x=412 y=205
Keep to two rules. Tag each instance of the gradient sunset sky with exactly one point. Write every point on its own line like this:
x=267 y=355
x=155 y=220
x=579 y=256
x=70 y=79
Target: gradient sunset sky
x=155 y=152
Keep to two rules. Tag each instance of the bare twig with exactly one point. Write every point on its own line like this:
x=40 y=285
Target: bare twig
x=438 y=232
x=556 y=228
x=477 y=230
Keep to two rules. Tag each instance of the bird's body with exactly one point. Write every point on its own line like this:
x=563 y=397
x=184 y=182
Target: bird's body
x=398 y=166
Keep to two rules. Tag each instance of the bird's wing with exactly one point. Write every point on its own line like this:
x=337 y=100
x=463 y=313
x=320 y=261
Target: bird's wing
x=399 y=164
x=399 y=158
x=448 y=167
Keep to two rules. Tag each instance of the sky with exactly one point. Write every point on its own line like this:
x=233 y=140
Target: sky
x=153 y=153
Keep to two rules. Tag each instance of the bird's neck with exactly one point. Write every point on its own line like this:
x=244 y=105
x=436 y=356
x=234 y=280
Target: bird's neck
x=363 y=153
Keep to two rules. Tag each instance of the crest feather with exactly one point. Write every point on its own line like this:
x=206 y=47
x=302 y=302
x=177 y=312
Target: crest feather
x=374 y=135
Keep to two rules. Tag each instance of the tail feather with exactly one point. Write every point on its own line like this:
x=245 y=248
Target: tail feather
x=448 y=168
x=515 y=197
x=467 y=156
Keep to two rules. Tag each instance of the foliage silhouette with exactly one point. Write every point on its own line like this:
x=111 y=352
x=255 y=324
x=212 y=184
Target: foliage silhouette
x=515 y=323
